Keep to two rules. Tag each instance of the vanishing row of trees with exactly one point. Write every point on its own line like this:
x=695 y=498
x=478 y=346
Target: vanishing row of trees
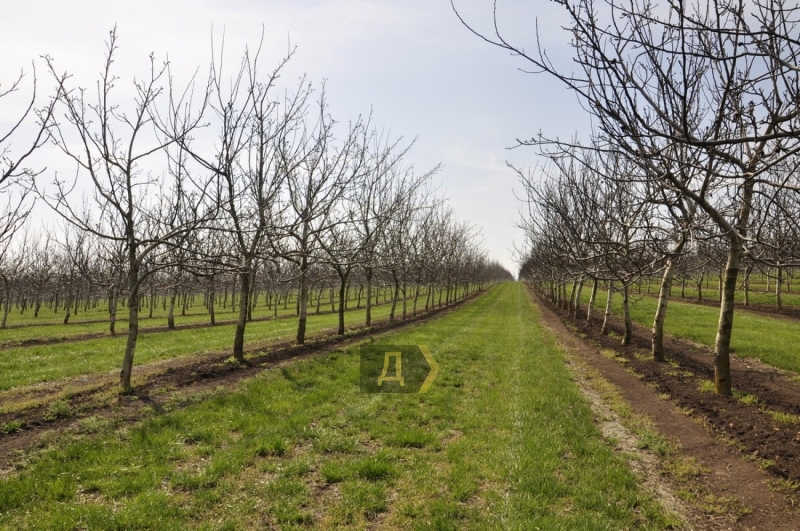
x=237 y=179
x=66 y=277
x=696 y=134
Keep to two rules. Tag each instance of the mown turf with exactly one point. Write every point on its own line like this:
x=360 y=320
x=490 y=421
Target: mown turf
x=772 y=340
x=26 y=328
x=759 y=294
x=32 y=364
x=503 y=440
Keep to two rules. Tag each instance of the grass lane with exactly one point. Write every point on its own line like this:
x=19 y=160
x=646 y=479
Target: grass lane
x=40 y=363
x=50 y=324
x=503 y=440
x=758 y=295
x=16 y=336
x=772 y=340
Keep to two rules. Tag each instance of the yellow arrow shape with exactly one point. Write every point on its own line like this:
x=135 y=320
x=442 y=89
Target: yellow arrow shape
x=434 y=369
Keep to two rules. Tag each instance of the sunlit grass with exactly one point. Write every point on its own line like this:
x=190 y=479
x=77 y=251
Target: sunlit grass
x=759 y=292
x=196 y=313
x=17 y=335
x=503 y=440
x=32 y=364
x=773 y=341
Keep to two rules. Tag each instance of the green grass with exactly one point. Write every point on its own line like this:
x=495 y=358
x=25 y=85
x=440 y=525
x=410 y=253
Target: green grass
x=196 y=311
x=503 y=440
x=25 y=327
x=32 y=364
x=771 y=340
x=759 y=294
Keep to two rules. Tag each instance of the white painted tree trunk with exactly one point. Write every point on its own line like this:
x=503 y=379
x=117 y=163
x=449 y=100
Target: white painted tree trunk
x=607 y=315
x=592 y=297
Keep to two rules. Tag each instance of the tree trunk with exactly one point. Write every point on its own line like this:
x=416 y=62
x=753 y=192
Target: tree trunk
x=663 y=299
x=368 y=321
x=700 y=287
x=626 y=314
x=252 y=294
x=244 y=306
x=112 y=312
x=778 y=286
x=303 y=294
x=405 y=300
x=578 y=297
x=592 y=297
x=416 y=297
x=67 y=306
x=152 y=302
x=133 y=322
x=572 y=294
x=661 y=311
x=747 y=286
x=211 y=296
x=171 y=314
x=607 y=316
x=233 y=295
x=342 y=302
x=429 y=299
x=6 y=302
x=394 y=298
x=722 y=344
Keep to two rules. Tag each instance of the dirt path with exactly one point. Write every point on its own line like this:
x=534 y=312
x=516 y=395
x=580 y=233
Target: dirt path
x=724 y=471
x=158 y=384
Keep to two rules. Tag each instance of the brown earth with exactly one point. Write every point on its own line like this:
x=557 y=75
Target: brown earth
x=748 y=455
x=161 y=383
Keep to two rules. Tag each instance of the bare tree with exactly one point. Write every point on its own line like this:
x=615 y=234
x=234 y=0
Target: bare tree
x=250 y=124
x=697 y=75
x=318 y=173
x=135 y=200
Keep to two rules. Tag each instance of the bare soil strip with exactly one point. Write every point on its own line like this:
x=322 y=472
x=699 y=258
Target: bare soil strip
x=744 y=454
x=160 y=383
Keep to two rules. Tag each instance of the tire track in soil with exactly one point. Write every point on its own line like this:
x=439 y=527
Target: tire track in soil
x=730 y=475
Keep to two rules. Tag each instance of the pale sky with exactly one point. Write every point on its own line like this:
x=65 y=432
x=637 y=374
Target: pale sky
x=410 y=61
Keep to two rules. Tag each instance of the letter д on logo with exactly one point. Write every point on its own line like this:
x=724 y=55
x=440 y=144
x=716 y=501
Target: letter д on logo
x=397 y=369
